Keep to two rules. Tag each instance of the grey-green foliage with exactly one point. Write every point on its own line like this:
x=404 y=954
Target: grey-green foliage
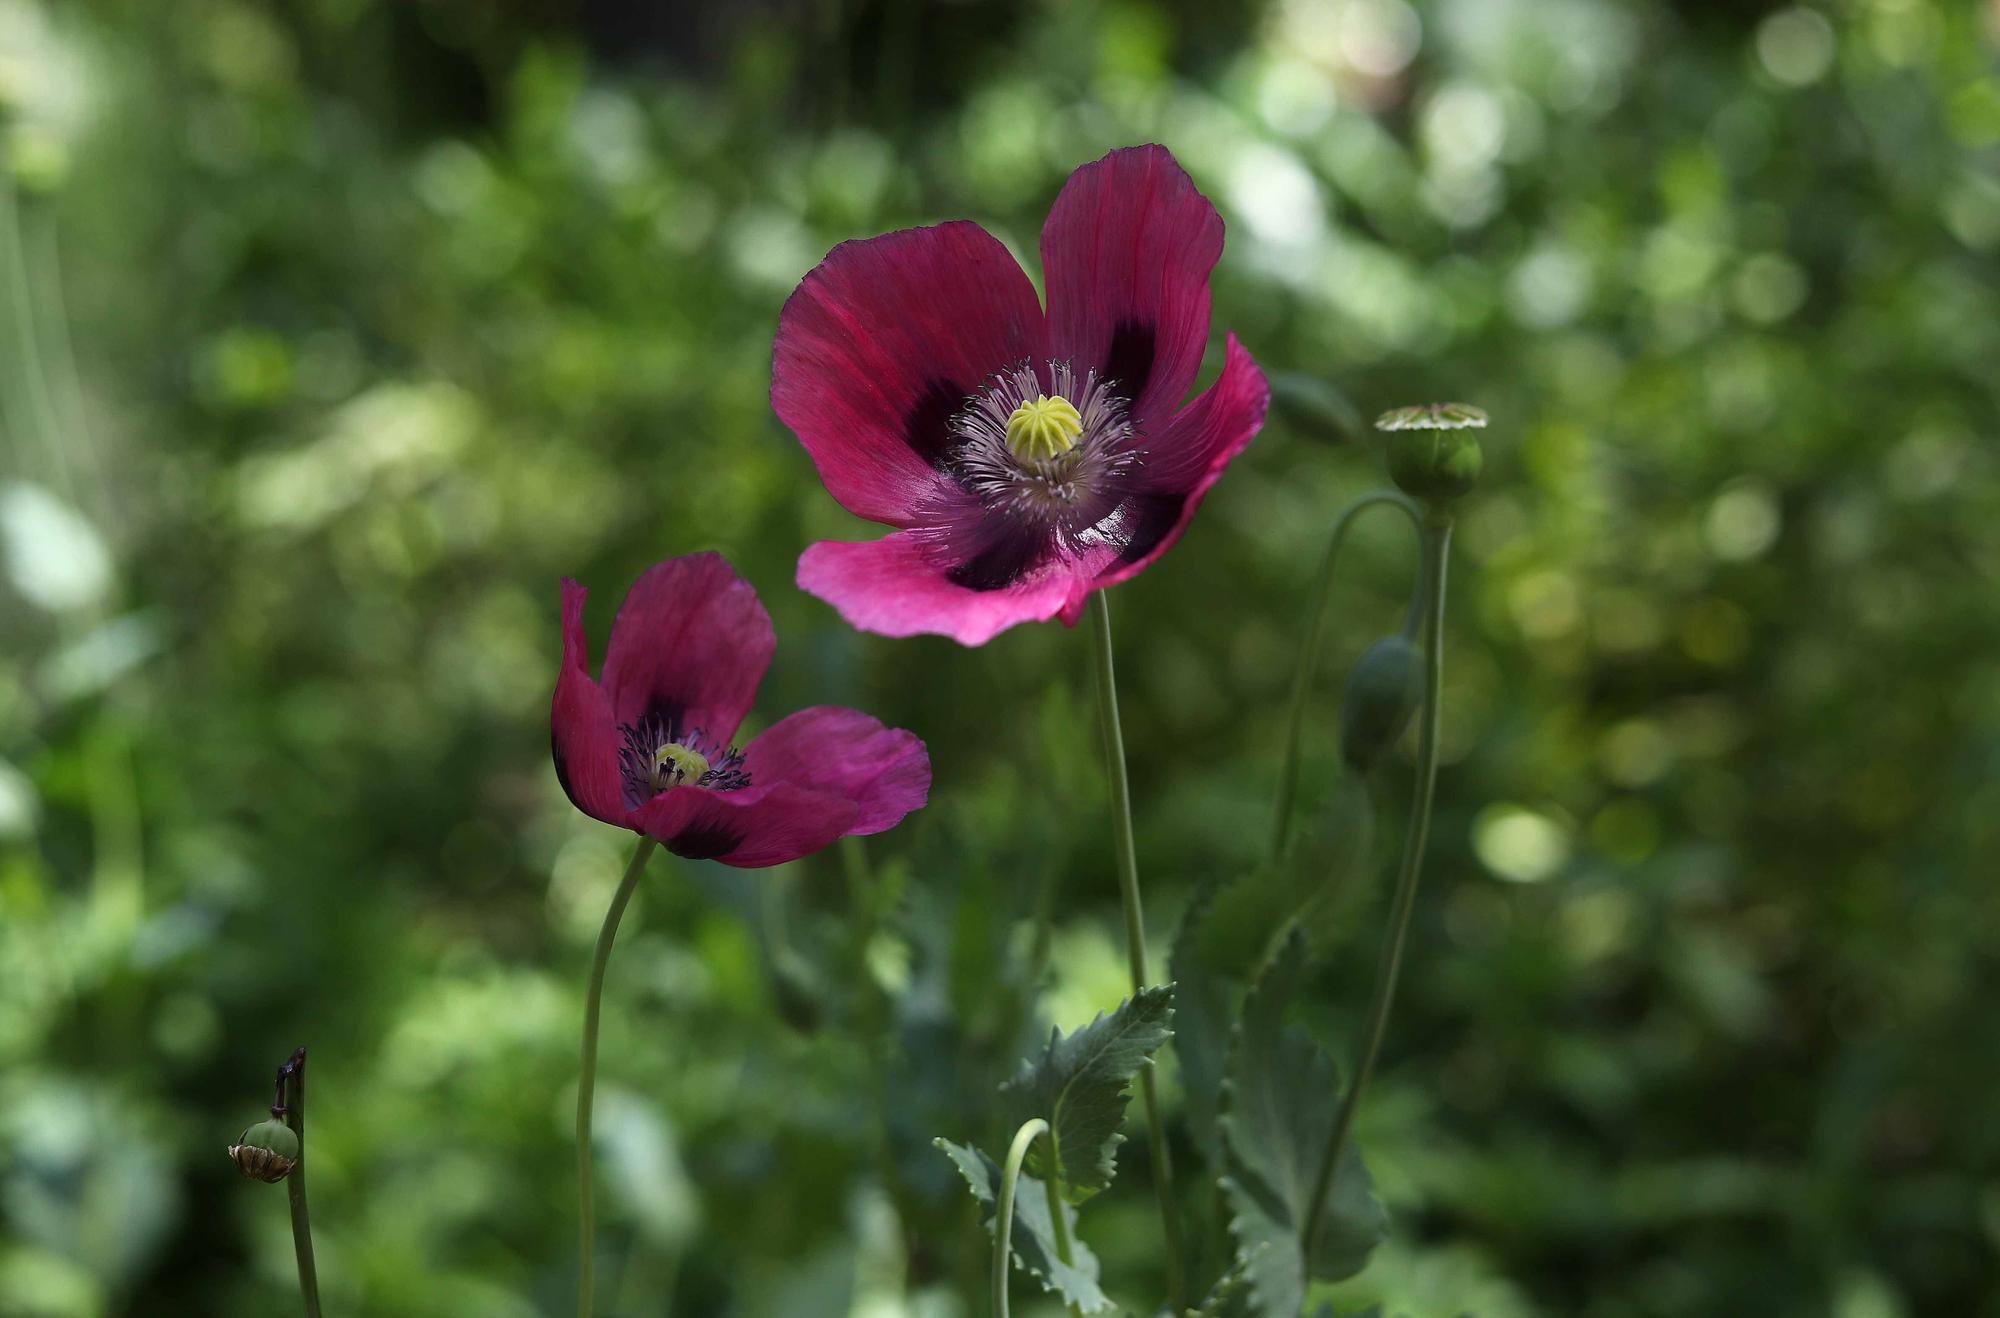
x=1079 y=1084
x=1229 y=929
x=1278 y=1114
x=1033 y=1241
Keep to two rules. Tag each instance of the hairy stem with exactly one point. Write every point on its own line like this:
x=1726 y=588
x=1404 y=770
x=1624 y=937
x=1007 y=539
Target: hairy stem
x=586 y=1085
x=1135 y=925
x=1436 y=543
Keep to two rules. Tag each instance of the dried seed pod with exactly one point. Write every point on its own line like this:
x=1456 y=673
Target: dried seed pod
x=266 y=1152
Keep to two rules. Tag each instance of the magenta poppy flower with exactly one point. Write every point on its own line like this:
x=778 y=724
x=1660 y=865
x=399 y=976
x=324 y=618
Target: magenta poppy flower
x=649 y=746
x=1026 y=459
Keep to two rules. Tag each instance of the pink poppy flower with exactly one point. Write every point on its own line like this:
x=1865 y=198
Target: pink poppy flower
x=649 y=746
x=1026 y=459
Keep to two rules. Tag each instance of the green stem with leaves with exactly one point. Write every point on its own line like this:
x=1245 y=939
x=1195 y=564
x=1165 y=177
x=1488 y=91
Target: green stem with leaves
x=295 y=1186
x=1436 y=531
x=1309 y=647
x=586 y=1085
x=1135 y=924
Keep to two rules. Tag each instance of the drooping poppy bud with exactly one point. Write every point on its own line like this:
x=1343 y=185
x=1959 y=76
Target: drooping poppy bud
x=266 y=1152
x=1432 y=455
x=1383 y=692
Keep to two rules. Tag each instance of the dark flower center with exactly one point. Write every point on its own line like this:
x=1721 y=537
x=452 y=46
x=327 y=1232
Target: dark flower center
x=656 y=757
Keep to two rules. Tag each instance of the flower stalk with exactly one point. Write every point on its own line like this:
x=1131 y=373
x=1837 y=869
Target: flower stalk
x=586 y=1085
x=1057 y=1223
x=1309 y=648
x=293 y=1109
x=1003 y=1221
x=1135 y=925
x=1436 y=539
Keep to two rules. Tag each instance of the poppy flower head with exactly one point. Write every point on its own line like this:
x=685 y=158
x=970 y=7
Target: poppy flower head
x=1024 y=458
x=649 y=746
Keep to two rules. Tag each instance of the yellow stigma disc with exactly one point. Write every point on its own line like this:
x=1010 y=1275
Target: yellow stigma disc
x=674 y=764
x=1043 y=428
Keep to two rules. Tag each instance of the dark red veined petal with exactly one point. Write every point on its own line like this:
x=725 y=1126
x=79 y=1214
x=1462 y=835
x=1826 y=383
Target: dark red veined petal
x=583 y=733
x=750 y=829
x=690 y=645
x=1187 y=460
x=1126 y=255
x=886 y=772
x=882 y=342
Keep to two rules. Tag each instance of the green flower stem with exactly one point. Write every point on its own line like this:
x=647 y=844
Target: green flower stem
x=1436 y=545
x=1058 y=1225
x=1309 y=647
x=295 y=1186
x=586 y=1085
x=1135 y=925
x=1003 y=1221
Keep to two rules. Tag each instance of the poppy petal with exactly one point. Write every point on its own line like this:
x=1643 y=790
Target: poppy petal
x=886 y=772
x=583 y=734
x=689 y=647
x=1190 y=457
x=882 y=342
x=1126 y=254
x=892 y=588
x=749 y=829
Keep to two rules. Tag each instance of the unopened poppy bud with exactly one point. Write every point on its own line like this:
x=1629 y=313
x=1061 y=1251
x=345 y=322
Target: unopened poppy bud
x=266 y=1152
x=1383 y=691
x=1432 y=453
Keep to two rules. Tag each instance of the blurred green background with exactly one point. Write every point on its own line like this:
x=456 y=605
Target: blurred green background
x=333 y=333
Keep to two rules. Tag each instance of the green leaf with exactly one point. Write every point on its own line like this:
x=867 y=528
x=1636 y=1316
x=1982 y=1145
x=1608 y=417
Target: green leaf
x=1279 y=1106
x=1318 y=883
x=1206 y=1001
x=1229 y=929
x=1079 y=1086
x=1034 y=1241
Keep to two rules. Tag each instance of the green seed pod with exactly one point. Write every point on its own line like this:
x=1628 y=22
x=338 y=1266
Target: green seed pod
x=1383 y=691
x=1432 y=454
x=266 y=1152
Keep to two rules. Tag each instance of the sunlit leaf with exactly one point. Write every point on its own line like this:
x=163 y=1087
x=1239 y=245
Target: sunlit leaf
x=1033 y=1241
x=1278 y=1116
x=1080 y=1086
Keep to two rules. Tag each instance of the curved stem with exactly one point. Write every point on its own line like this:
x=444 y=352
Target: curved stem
x=1322 y=596
x=1135 y=924
x=1436 y=544
x=295 y=1186
x=586 y=1085
x=1003 y=1221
